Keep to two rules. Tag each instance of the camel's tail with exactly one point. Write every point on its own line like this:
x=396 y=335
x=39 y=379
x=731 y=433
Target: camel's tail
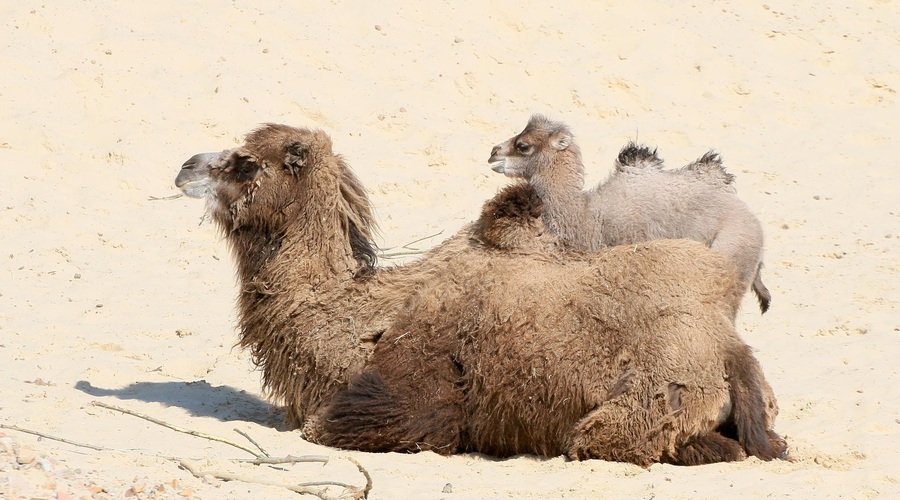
x=762 y=293
x=749 y=406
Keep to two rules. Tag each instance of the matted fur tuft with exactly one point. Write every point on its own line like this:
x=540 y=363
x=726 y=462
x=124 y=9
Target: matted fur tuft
x=637 y=156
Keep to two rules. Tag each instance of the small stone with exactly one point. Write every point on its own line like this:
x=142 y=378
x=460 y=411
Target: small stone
x=458 y=40
x=9 y=446
x=448 y=488
x=377 y=27
x=78 y=276
x=25 y=456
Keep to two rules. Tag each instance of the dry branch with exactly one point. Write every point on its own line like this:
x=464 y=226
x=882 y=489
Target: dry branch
x=408 y=249
x=176 y=428
x=48 y=436
x=242 y=433
x=194 y=468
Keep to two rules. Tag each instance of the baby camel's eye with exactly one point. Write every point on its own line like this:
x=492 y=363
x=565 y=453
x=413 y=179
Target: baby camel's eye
x=523 y=147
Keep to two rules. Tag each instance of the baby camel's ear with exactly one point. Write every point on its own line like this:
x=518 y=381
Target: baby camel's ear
x=560 y=141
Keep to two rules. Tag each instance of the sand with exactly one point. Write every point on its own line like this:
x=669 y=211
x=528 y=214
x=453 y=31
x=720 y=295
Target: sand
x=113 y=292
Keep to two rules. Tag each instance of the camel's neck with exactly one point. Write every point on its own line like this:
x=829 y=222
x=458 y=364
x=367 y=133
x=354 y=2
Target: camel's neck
x=297 y=300
x=559 y=186
x=306 y=247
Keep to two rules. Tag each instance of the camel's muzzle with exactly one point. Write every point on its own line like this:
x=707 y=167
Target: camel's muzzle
x=193 y=179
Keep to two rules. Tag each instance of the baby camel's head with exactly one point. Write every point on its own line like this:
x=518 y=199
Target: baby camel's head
x=522 y=155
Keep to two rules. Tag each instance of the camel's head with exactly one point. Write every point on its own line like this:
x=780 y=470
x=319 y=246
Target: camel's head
x=258 y=181
x=523 y=154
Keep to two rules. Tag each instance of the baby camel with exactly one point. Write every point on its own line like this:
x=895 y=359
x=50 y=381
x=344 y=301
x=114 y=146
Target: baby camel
x=639 y=202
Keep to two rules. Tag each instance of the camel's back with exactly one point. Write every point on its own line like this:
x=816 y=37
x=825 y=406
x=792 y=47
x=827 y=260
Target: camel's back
x=657 y=204
x=538 y=288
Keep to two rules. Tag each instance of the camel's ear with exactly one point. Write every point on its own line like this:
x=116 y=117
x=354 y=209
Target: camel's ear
x=295 y=159
x=560 y=141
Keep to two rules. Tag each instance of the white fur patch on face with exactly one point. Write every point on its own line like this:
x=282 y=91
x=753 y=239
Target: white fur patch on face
x=508 y=168
x=199 y=188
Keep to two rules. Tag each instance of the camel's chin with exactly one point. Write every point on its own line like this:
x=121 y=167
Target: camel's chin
x=196 y=189
x=501 y=167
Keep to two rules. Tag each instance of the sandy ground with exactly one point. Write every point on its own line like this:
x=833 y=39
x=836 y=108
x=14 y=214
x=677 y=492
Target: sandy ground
x=111 y=294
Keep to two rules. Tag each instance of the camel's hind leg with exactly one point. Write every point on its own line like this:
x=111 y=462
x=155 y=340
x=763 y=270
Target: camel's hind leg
x=740 y=239
x=643 y=421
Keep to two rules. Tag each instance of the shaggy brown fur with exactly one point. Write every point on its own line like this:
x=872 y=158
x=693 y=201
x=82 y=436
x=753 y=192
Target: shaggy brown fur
x=299 y=225
x=639 y=202
x=495 y=341
x=604 y=356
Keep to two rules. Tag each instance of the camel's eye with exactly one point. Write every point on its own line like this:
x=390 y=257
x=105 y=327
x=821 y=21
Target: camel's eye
x=523 y=147
x=245 y=167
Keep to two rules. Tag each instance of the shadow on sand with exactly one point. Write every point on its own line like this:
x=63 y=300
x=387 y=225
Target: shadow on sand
x=199 y=398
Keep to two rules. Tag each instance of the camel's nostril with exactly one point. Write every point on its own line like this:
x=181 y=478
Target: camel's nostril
x=495 y=150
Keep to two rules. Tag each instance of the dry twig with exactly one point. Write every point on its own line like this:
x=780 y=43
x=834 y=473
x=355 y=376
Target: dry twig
x=409 y=250
x=365 y=473
x=242 y=433
x=48 y=436
x=176 y=428
x=306 y=489
x=165 y=198
x=290 y=459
